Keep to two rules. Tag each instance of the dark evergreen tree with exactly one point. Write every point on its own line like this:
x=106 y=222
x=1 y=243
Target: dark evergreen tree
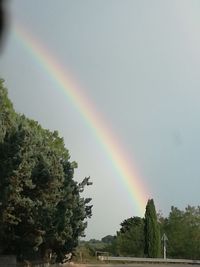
x=41 y=208
x=151 y=231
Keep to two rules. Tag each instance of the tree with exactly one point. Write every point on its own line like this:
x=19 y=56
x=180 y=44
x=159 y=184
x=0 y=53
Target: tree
x=130 y=238
x=108 y=239
x=151 y=231
x=7 y=113
x=41 y=206
x=183 y=230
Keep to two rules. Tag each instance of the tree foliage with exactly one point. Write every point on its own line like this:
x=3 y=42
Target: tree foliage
x=136 y=235
x=7 y=113
x=182 y=228
x=152 y=231
x=41 y=208
x=108 y=239
x=130 y=238
x=183 y=231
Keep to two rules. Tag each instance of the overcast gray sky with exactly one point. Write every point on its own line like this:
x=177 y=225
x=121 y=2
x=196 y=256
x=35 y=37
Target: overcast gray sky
x=138 y=62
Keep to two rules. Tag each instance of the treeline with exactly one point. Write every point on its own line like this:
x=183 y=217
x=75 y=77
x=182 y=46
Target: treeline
x=138 y=237
x=182 y=228
x=41 y=210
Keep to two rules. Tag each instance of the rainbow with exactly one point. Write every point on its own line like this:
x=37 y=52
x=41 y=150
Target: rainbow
x=120 y=161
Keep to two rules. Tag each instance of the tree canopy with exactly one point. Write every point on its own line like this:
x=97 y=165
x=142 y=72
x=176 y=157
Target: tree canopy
x=41 y=207
x=130 y=238
x=183 y=231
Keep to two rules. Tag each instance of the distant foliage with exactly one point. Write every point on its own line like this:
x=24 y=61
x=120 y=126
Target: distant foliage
x=41 y=208
x=182 y=228
x=183 y=231
x=108 y=239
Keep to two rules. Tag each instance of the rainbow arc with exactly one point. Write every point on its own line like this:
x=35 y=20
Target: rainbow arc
x=63 y=81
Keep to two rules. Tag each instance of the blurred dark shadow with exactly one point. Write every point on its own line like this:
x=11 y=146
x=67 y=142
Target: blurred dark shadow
x=2 y=22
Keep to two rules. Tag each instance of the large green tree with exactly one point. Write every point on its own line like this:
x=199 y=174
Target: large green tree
x=41 y=208
x=151 y=231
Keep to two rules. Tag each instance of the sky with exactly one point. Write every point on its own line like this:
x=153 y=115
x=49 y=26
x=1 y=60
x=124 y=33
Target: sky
x=137 y=62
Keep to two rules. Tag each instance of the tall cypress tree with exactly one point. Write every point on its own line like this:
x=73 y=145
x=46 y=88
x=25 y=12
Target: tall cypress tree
x=151 y=231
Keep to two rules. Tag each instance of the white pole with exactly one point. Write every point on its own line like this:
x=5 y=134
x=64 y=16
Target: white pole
x=164 y=250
